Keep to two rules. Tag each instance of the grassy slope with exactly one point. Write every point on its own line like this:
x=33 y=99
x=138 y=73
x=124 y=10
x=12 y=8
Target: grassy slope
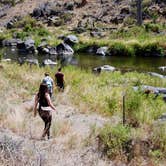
x=90 y=93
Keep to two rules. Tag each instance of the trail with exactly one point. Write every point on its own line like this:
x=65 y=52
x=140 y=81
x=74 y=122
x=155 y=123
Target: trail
x=73 y=141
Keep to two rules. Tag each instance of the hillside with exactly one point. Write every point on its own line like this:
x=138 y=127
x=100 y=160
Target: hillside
x=99 y=13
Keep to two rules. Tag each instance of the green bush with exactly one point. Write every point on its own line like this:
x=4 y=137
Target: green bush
x=121 y=49
x=152 y=27
x=159 y=138
x=152 y=49
x=21 y=35
x=133 y=102
x=113 y=139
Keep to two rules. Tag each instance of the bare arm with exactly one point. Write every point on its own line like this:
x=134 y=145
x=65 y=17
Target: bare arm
x=35 y=105
x=49 y=101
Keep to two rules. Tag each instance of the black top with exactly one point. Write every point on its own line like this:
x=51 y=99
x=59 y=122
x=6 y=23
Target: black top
x=59 y=77
x=42 y=102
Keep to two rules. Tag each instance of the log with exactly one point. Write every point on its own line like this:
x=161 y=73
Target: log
x=150 y=89
x=156 y=74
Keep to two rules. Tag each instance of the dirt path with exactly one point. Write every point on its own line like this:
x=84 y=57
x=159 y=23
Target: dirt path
x=73 y=139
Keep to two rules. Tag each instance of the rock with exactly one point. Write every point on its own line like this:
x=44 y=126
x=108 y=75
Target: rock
x=11 y=42
x=79 y=30
x=32 y=61
x=156 y=75
x=49 y=62
x=96 y=34
x=150 y=89
x=162 y=68
x=30 y=45
x=117 y=19
x=61 y=37
x=26 y=47
x=37 y=12
x=162 y=117
x=92 y=49
x=105 y=68
x=69 y=5
x=102 y=51
x=125 y=10
x=54 y=21
x=64 y=49
x=52 y=51
x=6 y=60
x=71 y=39
x=11 y=23
x=42 y=48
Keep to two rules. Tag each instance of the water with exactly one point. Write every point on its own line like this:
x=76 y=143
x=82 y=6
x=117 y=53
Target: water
x=141 y=64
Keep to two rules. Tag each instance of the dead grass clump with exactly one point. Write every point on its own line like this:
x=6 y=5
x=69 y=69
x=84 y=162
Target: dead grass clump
x=60 y=127
x=10 y=150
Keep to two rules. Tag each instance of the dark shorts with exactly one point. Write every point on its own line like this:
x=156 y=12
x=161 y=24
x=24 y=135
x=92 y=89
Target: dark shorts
x=45 y=115
x=61 y=86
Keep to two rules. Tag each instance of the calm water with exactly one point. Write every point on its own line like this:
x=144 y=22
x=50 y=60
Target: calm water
x=142 y=64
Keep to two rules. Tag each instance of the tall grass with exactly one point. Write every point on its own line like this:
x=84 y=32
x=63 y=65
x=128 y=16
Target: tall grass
x=88 y=93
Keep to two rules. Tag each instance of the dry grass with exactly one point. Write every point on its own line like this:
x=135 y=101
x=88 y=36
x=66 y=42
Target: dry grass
x=99 y=94
x=60 y=127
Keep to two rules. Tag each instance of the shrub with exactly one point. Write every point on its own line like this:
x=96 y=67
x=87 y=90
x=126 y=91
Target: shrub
x=113 y=139
x=152 y=27
x=118 y=49
x=159 y=138
x=133 y=103
x=152 y=49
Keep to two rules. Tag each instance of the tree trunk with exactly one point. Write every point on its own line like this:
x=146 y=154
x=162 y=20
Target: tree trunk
x=139 y=12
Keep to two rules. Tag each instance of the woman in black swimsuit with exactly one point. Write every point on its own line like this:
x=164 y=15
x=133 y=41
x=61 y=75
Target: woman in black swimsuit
x=45 y=108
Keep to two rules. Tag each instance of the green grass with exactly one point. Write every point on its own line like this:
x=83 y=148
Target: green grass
x=134 y=41
x=113 y=139
x=90 y=93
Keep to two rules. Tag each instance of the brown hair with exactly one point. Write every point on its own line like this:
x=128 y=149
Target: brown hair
x=42 y=90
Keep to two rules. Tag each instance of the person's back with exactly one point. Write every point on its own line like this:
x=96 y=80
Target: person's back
x=59 y=76
x=49 y=82
x=45 y=108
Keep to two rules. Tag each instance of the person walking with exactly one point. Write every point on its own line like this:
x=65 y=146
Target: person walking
x=49 y=82
x=45 y=108
x=59 y=78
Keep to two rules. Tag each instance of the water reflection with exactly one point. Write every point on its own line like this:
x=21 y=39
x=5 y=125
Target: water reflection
x=86 y=61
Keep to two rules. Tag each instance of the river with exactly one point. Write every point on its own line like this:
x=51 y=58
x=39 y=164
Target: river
x=86 y=61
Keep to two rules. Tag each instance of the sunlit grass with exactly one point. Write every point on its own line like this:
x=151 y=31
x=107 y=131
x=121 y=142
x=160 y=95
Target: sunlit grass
x=89 y=93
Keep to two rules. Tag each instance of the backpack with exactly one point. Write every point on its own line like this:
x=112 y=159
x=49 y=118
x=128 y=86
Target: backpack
x=48 y=82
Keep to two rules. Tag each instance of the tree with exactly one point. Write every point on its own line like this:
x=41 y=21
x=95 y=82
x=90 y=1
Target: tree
x=139 y=12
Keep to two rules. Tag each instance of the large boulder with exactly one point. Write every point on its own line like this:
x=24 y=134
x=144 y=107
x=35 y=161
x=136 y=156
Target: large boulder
x=11 y=42
x=162 y=68
x=102 y=51
x=64 y=49
x=71 y=39
x=37 y=12
x=26 y=47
